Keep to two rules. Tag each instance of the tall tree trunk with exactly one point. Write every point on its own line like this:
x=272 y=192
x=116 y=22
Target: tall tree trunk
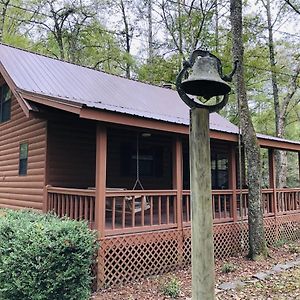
x=257 y=243
x=180 y=43
x=150 y=33
x=2 y=17
x=280 y=156
x=127 y=37
x=217 y=28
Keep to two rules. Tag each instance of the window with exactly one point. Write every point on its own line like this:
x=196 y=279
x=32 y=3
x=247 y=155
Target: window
x=5 y=103
x=23 y=161
x=219 y=170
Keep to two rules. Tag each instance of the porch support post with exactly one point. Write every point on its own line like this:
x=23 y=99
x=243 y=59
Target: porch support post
x=272 y=179
x=177 y=179
x=101 y=150
x=178 y=186
x=272 y=184
x=232 y=181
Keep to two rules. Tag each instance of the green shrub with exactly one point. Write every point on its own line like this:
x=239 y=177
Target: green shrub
x=171 y=288
x=43 y=257
x=228 y=268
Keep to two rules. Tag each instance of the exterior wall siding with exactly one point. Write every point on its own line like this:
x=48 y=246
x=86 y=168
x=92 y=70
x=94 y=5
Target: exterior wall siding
x=22 y=191
x=72 y=152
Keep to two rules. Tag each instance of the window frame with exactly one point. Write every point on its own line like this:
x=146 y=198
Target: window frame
x=23 y=159
x=5 y=103
x=219 y=170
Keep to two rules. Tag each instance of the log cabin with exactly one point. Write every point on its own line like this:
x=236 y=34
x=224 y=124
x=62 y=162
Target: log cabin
x=114 y=152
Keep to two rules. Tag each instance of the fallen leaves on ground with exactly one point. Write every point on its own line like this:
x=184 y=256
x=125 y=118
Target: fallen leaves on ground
x=284 y=285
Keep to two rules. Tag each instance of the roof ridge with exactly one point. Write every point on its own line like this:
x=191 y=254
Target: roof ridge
x=83 y=66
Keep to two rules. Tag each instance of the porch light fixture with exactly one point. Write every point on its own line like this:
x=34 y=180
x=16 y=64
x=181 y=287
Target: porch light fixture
x=205 y=80
x=146 y=134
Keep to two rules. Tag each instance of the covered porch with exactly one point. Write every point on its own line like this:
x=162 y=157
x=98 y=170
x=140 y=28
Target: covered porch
x=137 y=181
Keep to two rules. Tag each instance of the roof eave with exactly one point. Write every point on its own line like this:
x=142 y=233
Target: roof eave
x=54 y=102
x=25 y=106
x=280 y=145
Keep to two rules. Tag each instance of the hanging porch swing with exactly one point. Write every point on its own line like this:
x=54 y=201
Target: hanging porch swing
x=141 y=201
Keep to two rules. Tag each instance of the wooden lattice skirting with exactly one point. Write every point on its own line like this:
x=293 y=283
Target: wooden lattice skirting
x=130 y=257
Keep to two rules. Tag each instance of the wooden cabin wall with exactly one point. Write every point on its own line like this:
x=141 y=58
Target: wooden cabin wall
x=117 y=138
x=72 y=152
x=27 y=190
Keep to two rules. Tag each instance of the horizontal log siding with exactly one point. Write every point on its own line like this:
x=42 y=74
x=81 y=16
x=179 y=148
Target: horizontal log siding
x=22 y=191
x=72 y=153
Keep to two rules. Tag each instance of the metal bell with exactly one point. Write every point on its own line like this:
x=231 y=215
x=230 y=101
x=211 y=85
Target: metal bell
x=205 y=79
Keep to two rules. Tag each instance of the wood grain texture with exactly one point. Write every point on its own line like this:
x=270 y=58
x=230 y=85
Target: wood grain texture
x=203 y=284
x=72 y=153
x=22 y=191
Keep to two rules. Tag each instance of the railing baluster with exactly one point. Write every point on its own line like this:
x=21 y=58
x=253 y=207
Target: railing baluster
x=80 y=217
x=214 y=206
x=143 y=199
x=113 y=217
x=219 y=207
x=175 y=208
x=72 y=208
x=151 y=210
x=188 y=208
x=91 y=206
x=67 y=212
x=86 y=203
x=168 y=209
x=159 y=210
x=133 y=212
x=123 y=212
x=55 y=203
x=50 y=201
x=225 y=197
x=63 y=205
x=294 y=201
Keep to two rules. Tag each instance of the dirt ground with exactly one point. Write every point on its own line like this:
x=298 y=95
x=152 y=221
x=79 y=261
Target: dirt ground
x=284 y=285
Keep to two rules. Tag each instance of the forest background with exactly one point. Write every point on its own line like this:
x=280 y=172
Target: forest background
x=148 y=40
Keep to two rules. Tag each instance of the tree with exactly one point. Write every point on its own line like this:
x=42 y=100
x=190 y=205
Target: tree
x=99 y=49
x=280 y=107
x=187 y=25
x=124 y=12
x=257 y=242
x=294 y=6
x=62 y=23
x=13 y=22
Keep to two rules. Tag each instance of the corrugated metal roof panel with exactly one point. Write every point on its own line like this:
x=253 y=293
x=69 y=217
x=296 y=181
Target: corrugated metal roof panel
x=43 y=75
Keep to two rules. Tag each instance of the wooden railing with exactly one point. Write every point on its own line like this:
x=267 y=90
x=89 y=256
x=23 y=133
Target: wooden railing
x=131 y=211
x=136 y=211
x=78 y=204
x=288 y=201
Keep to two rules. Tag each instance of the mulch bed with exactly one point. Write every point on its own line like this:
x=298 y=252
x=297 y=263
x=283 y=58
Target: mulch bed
x=240 y=268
